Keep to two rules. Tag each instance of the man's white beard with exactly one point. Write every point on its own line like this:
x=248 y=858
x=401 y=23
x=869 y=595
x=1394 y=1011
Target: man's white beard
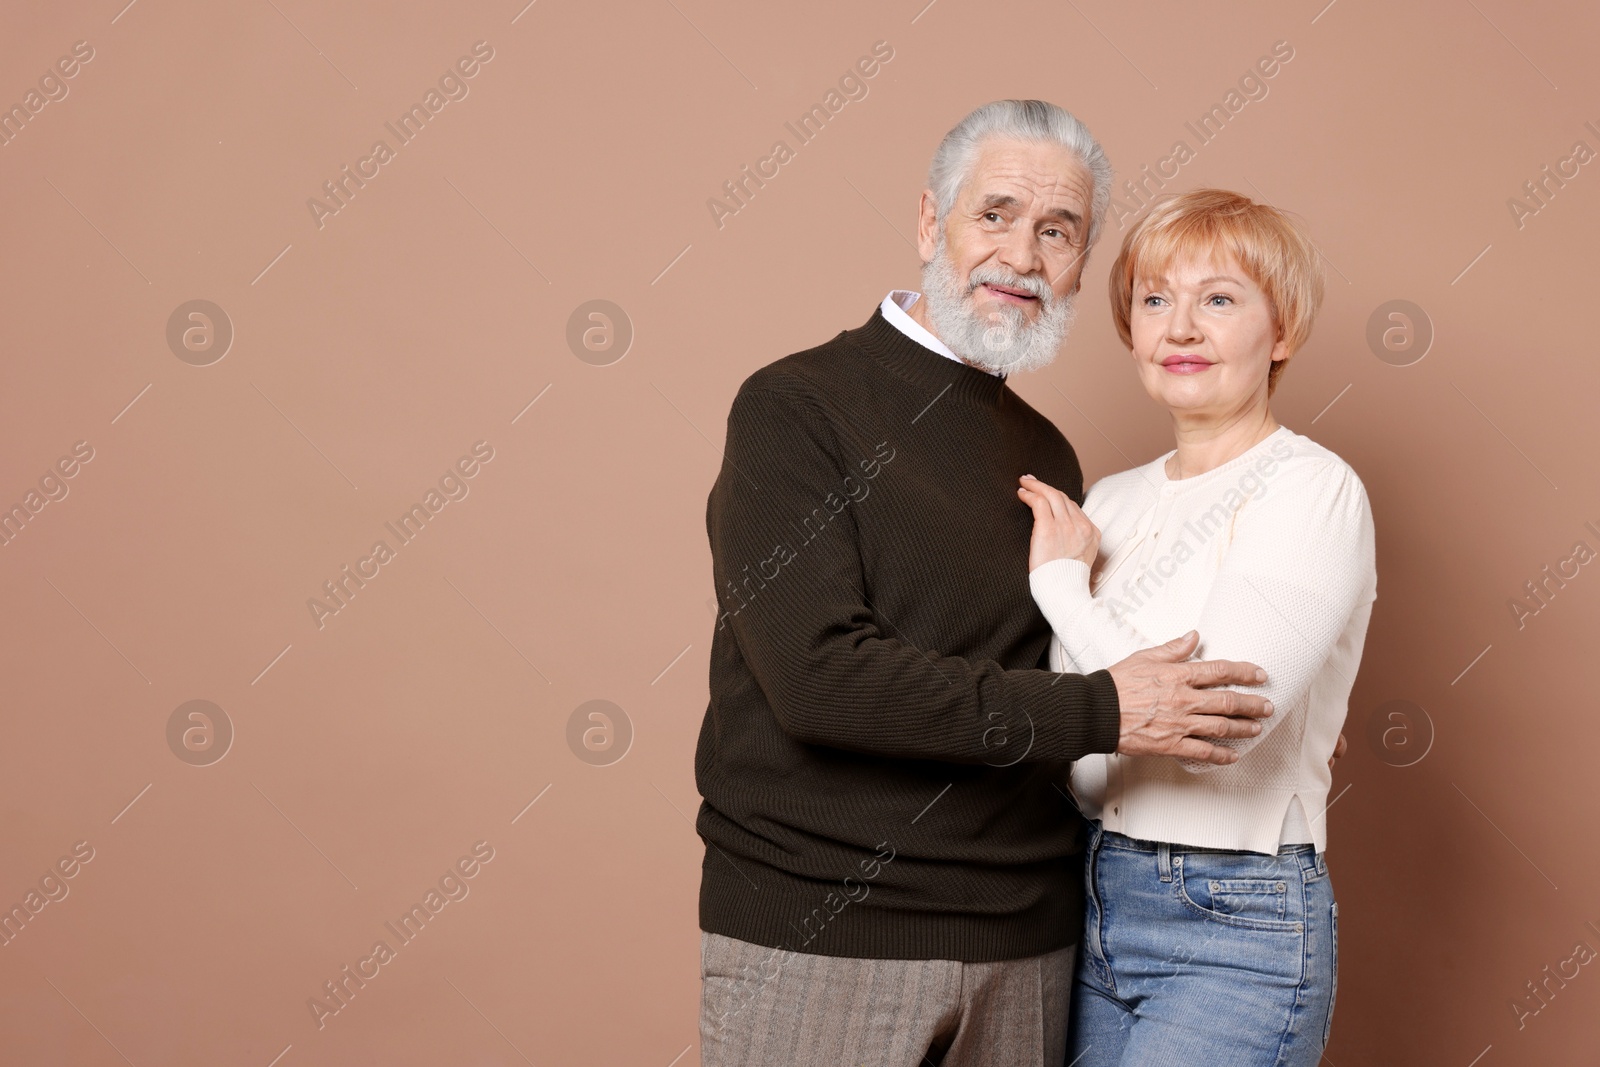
x=1003 y=341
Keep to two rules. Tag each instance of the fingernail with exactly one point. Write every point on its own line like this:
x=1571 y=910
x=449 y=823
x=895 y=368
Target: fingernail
x=1269 y=707
x=1255 y=728
x=1261 y=675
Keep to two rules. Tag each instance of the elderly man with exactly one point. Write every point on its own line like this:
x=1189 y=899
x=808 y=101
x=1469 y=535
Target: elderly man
x=892 y=872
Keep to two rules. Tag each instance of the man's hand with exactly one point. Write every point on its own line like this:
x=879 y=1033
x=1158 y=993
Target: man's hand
x=1060 y=528
x=1168 y=709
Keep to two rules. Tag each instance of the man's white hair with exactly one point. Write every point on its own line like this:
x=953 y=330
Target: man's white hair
x=1026 y=120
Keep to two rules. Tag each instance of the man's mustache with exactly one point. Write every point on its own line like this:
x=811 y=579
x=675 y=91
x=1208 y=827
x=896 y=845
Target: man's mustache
x=989 y=276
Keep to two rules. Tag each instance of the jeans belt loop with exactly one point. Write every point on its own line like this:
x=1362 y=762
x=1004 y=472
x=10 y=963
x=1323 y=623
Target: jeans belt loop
x=1311 y=862
x=1164 y=861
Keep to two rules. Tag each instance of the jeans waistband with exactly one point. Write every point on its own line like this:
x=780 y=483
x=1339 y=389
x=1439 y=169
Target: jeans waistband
x=1310 y=859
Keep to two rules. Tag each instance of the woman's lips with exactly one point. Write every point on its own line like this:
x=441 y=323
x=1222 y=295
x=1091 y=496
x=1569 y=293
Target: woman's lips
x=1185 y=364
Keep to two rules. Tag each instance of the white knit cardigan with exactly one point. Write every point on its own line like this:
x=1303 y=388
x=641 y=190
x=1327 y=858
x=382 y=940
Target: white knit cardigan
x=1270 y=557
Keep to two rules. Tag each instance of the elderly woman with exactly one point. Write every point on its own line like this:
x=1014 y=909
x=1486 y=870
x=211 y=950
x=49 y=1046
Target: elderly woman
x=1211 y=929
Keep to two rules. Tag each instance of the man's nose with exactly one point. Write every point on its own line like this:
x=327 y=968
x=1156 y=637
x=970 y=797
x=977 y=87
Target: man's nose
x=1019 y=251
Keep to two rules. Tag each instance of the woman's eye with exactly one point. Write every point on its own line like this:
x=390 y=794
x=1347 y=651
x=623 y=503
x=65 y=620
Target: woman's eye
x=1219 y=296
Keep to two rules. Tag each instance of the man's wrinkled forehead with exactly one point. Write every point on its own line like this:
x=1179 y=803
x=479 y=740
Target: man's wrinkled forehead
x=1039 y=179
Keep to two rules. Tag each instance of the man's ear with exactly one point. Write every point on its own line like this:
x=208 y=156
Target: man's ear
x=927 y=224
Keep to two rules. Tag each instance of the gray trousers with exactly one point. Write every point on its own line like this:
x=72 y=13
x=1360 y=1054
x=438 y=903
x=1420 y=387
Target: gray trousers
x=762 y=1007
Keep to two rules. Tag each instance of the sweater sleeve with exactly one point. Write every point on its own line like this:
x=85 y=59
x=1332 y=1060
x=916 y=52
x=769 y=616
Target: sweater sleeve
x=1289 y=580
x=833 y=671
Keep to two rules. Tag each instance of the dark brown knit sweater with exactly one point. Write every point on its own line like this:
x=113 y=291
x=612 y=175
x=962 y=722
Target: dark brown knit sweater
x=882 y=761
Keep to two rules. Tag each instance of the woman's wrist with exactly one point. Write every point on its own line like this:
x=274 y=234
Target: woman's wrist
x=1060 y=587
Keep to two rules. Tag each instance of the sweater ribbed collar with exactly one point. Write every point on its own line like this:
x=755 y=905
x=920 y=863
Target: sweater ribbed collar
x=907 y=359
x=1243 y=462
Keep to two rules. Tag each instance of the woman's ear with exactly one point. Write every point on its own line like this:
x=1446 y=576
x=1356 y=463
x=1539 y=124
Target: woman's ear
x=1280 y=348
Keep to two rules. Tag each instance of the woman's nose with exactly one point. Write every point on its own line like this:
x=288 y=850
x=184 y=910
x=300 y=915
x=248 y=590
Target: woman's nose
x=1182 y=327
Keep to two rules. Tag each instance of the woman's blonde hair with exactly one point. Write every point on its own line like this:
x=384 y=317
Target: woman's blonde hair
x=1267 y=244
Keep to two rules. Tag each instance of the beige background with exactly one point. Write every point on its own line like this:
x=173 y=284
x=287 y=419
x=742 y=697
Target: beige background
x=371 y=353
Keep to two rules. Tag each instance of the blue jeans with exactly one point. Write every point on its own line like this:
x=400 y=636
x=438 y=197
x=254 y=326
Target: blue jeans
x=1200 y=957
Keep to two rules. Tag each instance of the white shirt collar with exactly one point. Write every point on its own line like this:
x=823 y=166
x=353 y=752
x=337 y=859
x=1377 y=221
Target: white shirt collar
x=894 y=308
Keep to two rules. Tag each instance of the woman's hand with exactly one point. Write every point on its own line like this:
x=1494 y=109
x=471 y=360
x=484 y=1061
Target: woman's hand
x=1060 y=528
